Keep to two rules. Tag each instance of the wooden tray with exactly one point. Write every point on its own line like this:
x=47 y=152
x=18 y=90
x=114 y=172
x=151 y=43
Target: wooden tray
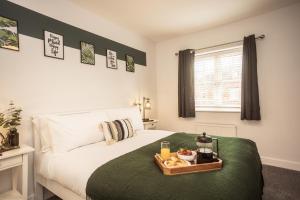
x=193 y=168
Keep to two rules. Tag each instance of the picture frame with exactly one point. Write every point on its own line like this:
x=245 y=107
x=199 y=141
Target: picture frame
x=53 y=45
x=129 y=63
x=111 y=59
x=87 y=53
x=9 y=34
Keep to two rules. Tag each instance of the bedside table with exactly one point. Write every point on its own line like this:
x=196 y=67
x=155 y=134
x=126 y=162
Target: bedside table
x=12 y=160
x=150 y=124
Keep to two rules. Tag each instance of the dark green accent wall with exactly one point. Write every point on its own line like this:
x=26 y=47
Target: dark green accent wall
x=33 y=24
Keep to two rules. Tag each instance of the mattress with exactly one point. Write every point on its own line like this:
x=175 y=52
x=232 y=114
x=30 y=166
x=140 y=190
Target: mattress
x=73 y=169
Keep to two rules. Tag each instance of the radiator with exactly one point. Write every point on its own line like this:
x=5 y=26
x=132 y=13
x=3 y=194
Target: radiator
x=226 y=130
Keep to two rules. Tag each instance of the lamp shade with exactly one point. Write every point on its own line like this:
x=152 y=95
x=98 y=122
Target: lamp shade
x=147 y=105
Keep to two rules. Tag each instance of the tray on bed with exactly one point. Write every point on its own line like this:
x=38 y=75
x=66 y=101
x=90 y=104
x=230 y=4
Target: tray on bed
x=193 y=168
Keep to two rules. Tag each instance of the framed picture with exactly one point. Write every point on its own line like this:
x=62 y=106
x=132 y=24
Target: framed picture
x=53 y=45
x=111 y=59
x=87 y=53
x=129 y=63
x=9 y=37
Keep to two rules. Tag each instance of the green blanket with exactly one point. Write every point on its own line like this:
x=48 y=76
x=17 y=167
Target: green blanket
x=135 y=176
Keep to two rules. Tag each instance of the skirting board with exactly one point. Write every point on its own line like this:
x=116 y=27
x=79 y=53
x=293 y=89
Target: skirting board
x=293 y=165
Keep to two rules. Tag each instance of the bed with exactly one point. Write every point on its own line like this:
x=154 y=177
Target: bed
x=92 y=171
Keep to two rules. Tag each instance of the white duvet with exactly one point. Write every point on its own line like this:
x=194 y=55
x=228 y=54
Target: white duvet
x=73 y=169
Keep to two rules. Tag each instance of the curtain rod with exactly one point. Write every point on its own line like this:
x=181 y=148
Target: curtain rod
x=258 y=38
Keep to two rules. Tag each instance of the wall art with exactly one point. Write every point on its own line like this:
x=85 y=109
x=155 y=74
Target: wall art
x=87 y=52
x=129 y=63
x=111 y=59
x=53 y=45
x=30 y=23
x=9 y=38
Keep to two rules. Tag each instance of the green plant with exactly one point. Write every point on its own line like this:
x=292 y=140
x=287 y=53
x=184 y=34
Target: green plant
x=10 y=119
x=4 y=139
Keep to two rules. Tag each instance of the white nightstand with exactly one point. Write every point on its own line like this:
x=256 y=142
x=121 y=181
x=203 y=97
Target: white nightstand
x=150 y=124
x=12 y=160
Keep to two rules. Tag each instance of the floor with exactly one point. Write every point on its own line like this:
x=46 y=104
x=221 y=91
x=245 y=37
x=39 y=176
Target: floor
x=280 y=184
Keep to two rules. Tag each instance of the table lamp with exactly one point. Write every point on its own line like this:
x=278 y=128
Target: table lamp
x=146 y=106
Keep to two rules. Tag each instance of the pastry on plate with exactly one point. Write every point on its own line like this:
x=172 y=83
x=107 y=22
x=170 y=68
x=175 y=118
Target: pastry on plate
x=175 y=162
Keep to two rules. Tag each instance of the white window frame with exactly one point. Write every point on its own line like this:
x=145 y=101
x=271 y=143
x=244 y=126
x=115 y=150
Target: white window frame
x=218 y=108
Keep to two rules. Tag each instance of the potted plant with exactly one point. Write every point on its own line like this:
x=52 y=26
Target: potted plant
x=10 y=119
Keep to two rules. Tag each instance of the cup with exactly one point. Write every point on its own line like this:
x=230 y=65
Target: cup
x=165 y=150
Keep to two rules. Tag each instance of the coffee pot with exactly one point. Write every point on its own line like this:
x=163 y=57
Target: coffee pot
x=205 y=151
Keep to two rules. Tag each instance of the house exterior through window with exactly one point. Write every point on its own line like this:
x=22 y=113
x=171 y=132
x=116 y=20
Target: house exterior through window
x=218 y=79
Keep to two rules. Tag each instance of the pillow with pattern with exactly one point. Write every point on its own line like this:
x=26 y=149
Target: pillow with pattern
x=117 y=130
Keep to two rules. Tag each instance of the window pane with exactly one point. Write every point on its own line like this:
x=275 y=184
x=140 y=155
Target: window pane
x=218 y=79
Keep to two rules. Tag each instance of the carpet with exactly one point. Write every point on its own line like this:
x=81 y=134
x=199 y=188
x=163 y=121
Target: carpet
x=281 y=184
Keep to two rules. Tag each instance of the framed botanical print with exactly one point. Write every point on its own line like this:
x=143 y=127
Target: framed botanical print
x=53 y=45
x=129 y=63
x=87 y=53
x=9 y=36
x=111 y=59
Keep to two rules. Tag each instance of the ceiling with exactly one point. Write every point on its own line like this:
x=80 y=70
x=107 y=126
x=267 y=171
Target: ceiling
x=162 y=19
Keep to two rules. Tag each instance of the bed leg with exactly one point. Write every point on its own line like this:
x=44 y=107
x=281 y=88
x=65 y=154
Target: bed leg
x=39 y=192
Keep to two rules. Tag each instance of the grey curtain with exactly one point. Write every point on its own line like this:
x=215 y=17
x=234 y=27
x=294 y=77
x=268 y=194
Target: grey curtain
x=186 y=97
x=250 y=109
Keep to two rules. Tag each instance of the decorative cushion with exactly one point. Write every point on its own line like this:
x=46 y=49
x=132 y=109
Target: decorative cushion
x=117 y=130
x=132 y=113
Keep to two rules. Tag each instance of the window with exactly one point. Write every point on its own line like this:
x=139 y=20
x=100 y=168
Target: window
x=218 y=79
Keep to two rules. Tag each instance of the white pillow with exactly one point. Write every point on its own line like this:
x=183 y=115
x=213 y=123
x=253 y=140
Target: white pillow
x=63 y=139
x=66 y=132
x=132 y=113
x=40 y=127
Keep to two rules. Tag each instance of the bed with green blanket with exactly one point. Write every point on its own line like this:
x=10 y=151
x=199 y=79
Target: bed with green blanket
x=135 y=176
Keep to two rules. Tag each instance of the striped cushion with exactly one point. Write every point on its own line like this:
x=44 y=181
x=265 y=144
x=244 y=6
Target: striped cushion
x=117 y=130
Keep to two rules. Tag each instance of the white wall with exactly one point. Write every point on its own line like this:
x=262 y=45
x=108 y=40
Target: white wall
x=42 y=85
x=278 y=133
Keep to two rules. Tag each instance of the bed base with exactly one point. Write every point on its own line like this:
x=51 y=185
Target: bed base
x=55 y=188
